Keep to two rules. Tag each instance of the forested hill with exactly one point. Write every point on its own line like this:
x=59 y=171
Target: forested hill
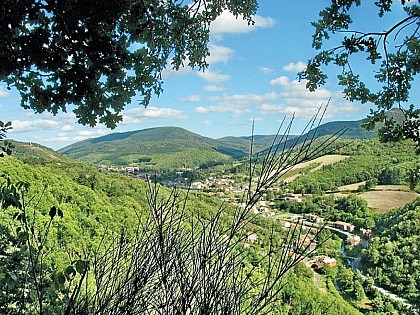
x=177 y=147
x=95 y=203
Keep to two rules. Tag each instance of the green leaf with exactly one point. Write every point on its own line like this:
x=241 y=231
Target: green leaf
x=60 y=278
x=53 y=212
x=81 y=266
x=70 y=272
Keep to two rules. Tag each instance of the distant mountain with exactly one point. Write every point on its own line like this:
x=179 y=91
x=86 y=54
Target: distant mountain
x=175 y=147
x=154 y=147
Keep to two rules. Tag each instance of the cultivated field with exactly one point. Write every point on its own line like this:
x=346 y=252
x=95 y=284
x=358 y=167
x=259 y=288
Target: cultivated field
x=320 y=162
x=353 y=187
x=383 y=200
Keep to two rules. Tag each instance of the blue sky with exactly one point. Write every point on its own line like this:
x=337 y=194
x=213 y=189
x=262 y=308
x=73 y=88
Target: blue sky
x=252 y=76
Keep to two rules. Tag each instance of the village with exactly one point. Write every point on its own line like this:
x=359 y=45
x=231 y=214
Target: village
x=231 y=190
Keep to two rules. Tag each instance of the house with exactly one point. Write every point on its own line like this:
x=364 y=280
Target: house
x=329 y=261
x=293 y=197
x=267 y=213
x=252 y=236
x=366 y=232
x=354 y=240
x=196 y=185
x=348 y=227
x=307 y=243
x=313 y=218
x=285 y=224
x=320 y=261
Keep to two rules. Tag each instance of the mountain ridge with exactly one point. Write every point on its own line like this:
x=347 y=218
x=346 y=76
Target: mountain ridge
x=155 y=144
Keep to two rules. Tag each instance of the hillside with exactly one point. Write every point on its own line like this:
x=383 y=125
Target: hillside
x=96 y=203
x=393 y=256
x=164 y=147
x=173 y=147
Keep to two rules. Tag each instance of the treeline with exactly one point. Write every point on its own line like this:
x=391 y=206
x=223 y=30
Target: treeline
x=395 y=164
x=351 y=208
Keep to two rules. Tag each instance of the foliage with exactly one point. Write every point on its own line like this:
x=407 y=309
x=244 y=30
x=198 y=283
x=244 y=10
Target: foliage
x=370 y=159
x=392 y=257
x=394 y=54
x=69 y=52
x=5 y=146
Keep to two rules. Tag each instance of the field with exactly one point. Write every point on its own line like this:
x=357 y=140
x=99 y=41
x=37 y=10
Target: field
x=383 y=201
x=319 y=162
x=353 y=187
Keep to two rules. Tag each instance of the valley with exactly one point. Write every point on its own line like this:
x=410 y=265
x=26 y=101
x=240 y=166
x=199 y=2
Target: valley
x=332 y=204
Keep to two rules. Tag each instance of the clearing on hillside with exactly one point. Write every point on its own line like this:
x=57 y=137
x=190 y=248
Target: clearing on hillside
x=321 y=161
x=384 y=201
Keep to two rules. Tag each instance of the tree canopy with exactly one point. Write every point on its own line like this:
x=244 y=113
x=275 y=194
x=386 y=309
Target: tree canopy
x=57 y=53
x=393 y=52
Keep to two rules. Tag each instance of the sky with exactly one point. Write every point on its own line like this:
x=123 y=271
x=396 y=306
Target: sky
x=252 y=77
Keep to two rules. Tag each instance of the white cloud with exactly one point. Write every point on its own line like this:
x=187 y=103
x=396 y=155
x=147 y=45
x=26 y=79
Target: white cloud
x=213 y=77
x=295 y=67
x=68 y=127
x=281 y=81
x=219 y=54
x=256 y=119
x=236 y=104
x=168 y=72
x=206 y=122
x=33 y=125
x=294 y=90
x=79 y=136
x=297 y=100
x=221 y=108
x=3 y=92
x=191 y=98
x=91 y=133
x=307 y=112
x=228 y=23
x=136 y=115
x=265 y=70
x=212 y=88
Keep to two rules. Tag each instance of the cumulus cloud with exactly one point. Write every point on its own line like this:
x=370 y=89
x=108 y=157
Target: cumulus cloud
x=33 y=125
x=212 y=88
x=68 y=127
x=79 y=136
x=219 y=54
x=297 y=100
x=191 y=98
x=213 y=77
x=136 y=115
x=227 y=23
x=236 y=104
x=256 y=119
x=295 y=67
x=3 y=92
x=168 y=72
x=307 y=112
x=265 y=70
x=295 y=90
